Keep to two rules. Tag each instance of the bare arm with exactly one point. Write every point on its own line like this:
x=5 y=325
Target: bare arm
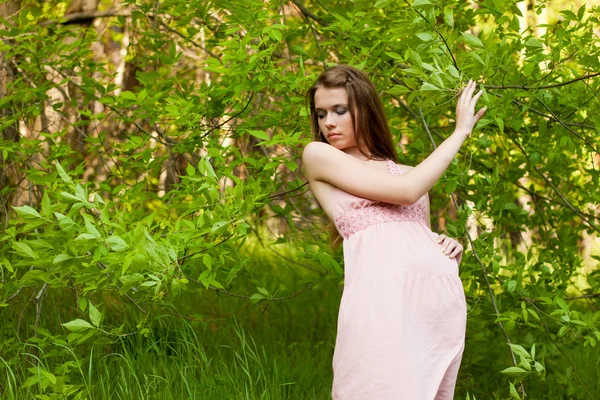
x=323 y=162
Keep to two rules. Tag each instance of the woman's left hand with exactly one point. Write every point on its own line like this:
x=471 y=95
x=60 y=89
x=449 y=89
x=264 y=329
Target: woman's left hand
x=450 y=247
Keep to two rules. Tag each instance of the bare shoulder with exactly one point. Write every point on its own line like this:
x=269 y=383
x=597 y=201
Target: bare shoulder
x=312 y=153
x=323 y=162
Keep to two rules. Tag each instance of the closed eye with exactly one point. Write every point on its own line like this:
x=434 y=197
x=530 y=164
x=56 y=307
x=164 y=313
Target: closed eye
x=338 y=112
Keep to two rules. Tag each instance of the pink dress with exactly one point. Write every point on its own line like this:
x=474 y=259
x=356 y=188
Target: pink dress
x=402 y=318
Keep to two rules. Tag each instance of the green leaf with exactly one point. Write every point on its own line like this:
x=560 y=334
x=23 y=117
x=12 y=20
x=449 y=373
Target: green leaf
x=61 y=172
x=451 y=186
x=263 y=291
x=95 y=315
x=207 y=260
x=381 y=3
x=218 y=225
x=60 y=258
x=24 y=250
x=70 y=197
x=256 y=297
x=581 y=12
x=425 y=36
x=428 y=86
x=561 y=303
x=259 y=134
x=513 y=392
x=519 y=350
x=471 y=40
x=116 y=243
x=173 y=50
x=393 y=55
x=175 y=288
x=190 y=170
x=275 y=34
x=534 y=42
x=453 y=71
x=420 y=3
x=449 y=16
x=65 y=223
x=500 y=123
x=568 y=14
x=128 y=95
x=292 y=166
x=46 y=205
x=539 y=367
x=91 y=229
x=513 y=371
x=27 y=212
x=51 y=378
x=86 y=236
x=78 y=325
x=398 y=90
x=482 y=122
x=129 y=281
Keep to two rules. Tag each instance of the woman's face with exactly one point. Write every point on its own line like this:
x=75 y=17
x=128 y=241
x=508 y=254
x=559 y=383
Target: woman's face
x=335 y=121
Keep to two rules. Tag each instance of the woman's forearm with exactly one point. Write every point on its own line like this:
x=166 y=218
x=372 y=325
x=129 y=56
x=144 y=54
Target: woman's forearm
x=429 y=171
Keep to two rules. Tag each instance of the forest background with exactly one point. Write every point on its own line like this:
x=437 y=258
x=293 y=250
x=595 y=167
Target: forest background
x=158 y=239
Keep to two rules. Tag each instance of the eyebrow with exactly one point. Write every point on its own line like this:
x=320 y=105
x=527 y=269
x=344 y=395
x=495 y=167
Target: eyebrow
x=333 y=106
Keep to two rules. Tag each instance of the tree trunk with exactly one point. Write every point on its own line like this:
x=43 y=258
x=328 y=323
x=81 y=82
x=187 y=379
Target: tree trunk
x=8 y=173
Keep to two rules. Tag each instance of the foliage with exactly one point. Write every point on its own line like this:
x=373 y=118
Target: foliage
x=157 y=140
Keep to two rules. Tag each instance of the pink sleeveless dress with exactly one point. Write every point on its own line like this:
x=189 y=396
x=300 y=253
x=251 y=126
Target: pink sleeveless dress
x=402 y=318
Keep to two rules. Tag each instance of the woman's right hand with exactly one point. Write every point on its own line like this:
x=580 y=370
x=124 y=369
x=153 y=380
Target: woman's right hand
x=465 y=107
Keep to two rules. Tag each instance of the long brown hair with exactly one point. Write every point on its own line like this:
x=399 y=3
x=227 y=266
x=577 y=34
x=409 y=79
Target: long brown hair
x=366 y=109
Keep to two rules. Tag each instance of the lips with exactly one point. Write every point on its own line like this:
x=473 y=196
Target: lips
x=334 y=134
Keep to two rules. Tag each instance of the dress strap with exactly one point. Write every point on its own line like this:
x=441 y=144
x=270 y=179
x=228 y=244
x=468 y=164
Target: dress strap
x=393 y=168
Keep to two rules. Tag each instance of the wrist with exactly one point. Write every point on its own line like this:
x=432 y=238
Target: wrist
x=461 y=133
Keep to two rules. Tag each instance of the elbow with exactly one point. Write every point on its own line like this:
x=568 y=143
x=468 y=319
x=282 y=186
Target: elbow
x=409 y=195
x=412 y=199
x=406 y=199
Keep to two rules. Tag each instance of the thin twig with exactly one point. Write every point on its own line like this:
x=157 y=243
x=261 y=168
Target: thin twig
x=525 y=87
x=439 y=34
x=38 y=306
x=482 y=267
x=309 y=13
x=558 y=192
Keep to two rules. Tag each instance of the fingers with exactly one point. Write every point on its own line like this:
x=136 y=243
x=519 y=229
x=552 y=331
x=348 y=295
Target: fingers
x=466 y=93
x=444 y=242
x=450 y=247
x=466 y=96
x=480 y=114
x=457 y=250
x=474 y=100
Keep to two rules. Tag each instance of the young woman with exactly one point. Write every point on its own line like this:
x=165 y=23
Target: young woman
x=402 y=318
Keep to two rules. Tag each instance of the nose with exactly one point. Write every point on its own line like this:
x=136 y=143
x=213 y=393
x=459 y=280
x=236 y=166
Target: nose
x=329 y=120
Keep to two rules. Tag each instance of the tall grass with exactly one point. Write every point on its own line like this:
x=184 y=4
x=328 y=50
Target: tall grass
x=228 y=348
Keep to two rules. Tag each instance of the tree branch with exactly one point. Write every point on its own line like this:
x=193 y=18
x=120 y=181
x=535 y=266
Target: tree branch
x=481 y=265
x=541 y=87
x=309 y=13
x=86 y=16
x=439 y=34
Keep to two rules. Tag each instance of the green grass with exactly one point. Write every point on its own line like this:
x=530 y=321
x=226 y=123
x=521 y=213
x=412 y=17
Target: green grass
x=233 y=349
x=280 y=350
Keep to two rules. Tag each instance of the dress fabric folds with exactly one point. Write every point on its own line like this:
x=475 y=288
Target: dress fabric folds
x=402 y=318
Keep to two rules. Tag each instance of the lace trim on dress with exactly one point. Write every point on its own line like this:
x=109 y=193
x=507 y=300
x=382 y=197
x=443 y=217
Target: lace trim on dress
x=362 y=216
